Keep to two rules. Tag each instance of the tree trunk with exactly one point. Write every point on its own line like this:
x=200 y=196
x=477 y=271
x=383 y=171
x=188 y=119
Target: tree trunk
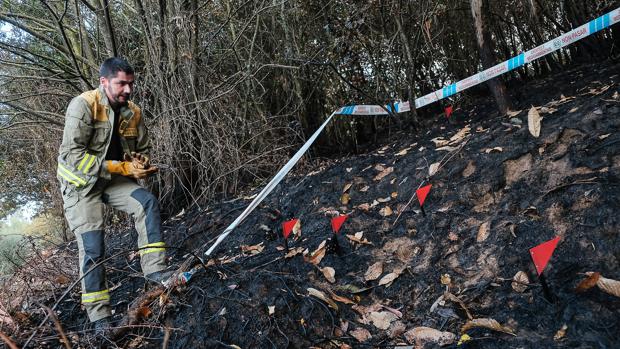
x=479 y=11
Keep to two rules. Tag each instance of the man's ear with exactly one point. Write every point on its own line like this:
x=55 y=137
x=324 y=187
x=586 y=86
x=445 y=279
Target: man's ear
x=103 y=81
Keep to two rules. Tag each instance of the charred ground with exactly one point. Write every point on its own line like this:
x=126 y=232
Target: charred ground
x=498 y=192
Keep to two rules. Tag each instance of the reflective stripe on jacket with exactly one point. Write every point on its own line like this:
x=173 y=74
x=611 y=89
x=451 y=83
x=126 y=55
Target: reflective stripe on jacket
x=87 y=135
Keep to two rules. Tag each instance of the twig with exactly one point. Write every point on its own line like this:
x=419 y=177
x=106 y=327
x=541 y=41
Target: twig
x=8 y=341
x=61 y=333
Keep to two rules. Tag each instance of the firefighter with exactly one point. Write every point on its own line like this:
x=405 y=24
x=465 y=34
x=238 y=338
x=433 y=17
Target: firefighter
x=104 y=152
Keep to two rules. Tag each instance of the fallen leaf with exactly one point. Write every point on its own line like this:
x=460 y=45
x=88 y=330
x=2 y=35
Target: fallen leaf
x=316 y=256
x=386 y=211
x=340 y=299
x=495 y=149
x=61 y=279
x=512 y=114
x=520 y=281
x=403 y=151
x=361 y=334
x=297 y=229
x=447 y=148
x=394 y=195
x=345 y=198
x=440 y=142
x=452 y=298
x=446 y=279
x=349 y=169
x=452 y=236
x=396 y=329
x=347 y=187
x=329 y=274
x=384 y=173
x=294 y=252
x=358 y=237
x=489 y=323
x=604 y=136
x=533 y=122
x=143 y=313
x=561 y=333
x=382 y=320
x=253 y=249
x=374 y=271
x=384 y=200
x=272 y=309
x=364 y=207
x=460 y=135
x=320 y=295
x=433 y=168
x=608 y=285
x=389 y=278
x=588 y=282
x=422 y=335
x=483 y=231
x=364 y=189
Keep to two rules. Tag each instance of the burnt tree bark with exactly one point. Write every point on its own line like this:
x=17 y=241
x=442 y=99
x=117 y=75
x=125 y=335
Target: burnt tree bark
x=480 y=12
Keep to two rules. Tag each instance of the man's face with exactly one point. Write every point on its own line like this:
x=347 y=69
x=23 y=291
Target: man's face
x=118 y=88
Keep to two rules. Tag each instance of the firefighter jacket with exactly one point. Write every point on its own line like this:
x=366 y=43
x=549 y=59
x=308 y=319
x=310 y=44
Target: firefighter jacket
x=87 y=136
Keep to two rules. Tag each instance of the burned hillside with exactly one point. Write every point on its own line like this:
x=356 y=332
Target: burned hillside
x=458 y=274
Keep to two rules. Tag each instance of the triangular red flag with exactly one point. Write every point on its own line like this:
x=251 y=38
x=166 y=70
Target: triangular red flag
x=542 y=253
x=287 y=227
x=448 y=111
x=337 y=222
x=422 y=193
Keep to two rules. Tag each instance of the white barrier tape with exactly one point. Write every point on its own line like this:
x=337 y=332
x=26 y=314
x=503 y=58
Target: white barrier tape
x=572 y=36
x=400 y=107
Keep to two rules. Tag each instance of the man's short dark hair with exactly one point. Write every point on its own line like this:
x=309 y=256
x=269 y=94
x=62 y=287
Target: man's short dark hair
x=111 y=66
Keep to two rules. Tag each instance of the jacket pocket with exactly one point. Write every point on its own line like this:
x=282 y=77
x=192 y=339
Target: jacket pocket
x=101 y=134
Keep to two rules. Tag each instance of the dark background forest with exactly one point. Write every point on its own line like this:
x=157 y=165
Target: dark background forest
x=230 y=89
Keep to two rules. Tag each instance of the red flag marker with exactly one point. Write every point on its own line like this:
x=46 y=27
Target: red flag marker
x=542 y=253
x=448 y=111
x=287 y=227
x=422 y=193
x=337 y=222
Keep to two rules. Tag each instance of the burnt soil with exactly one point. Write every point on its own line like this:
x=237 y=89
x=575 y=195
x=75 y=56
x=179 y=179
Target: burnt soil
x=529 y=190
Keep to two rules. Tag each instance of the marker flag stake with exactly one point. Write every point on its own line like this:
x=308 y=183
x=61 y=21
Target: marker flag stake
x=546 y=290
x=448 y=111
x=422 y=193
x=542 y=253
x=337 y=222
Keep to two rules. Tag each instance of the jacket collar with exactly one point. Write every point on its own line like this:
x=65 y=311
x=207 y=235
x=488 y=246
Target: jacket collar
x=125 y=112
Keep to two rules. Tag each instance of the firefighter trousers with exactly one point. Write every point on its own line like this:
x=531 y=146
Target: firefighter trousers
x=84 y=214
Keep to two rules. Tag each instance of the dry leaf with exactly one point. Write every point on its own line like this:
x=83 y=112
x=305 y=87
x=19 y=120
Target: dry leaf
x=294 y=252
x=446 y=279
x=329 y=274
x=374 y=271
x=272 y=309
x=561 y=333
x=382 y=320
x=340 y=299
x=320 y=295
x=452 y=236
x=460 y=135
x=449 y=296
x=422 y=335
x=608 y=285
x=361 y=334
x=143 y=313
x=384 y=200
x=447 y=148
x=297 y=229
x=384 y=173
x=512 y=114
x=386 y=211
x=394 y=194
x=403 y=152
x=433 y=168
x=347 y=187
x=389 y=278
x=345 y=198
x=489 y=323
x=533 y=122
x=440 y=142
x=496 y=149
x=483 y=231
x=604 y=136
x=316 y=256
x=364 y=207
x=253 y=249
x=364 y=189
x=588 y=282
x=358 y=237
x=521 y=281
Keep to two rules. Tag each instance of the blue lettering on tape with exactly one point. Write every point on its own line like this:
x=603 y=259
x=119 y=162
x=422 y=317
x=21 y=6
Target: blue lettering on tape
x=516 y=62
x=449 y=90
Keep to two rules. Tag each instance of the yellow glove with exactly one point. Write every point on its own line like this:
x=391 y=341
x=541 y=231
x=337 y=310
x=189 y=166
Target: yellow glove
x=130 y=169
x=140 y=160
